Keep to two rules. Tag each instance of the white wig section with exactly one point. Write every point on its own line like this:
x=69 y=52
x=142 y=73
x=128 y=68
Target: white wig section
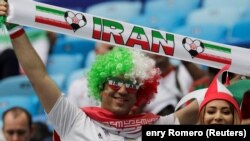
x=144 y=66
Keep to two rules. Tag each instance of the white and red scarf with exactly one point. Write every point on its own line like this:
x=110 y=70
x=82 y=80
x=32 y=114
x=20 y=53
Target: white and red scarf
x=127 y=126
x=83 y=25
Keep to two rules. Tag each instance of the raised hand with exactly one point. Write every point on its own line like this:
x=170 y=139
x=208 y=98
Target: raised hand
x=3 y=8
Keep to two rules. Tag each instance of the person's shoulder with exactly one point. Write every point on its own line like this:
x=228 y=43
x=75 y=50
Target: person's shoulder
x=168 y=120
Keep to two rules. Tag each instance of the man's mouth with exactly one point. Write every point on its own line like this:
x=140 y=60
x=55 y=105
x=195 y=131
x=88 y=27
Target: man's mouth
x=120 y=99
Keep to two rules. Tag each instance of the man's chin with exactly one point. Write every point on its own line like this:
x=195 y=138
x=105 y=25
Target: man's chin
x=120 y=111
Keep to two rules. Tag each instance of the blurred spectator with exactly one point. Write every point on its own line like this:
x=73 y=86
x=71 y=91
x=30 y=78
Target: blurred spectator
x=17 y=124
x=174 y=83
x=41 y=132
x=204 y=82
x=42 y=41
x=166 y=98
x=9 y=65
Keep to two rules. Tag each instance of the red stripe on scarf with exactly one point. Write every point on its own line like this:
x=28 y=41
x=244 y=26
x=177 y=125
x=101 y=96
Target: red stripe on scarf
x=17 y=34
x=103 y=115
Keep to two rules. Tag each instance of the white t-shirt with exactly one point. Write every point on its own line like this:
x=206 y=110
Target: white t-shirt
x=72 y=124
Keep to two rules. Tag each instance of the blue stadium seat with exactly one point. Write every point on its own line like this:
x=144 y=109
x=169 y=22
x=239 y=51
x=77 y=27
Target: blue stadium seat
x=226 y=3
x=215 y=33
x=163 y=14
x=18 y=91
x=241 y=30
x=16 y=85
x=158 y=21
x=64 y=63
x=246 y=16
x=240 y=35
x=59 y=79
x=177 y=7
x=73 y=76
x=117 y=10
x=227 y=16
x=72 y=45
x=30 y=103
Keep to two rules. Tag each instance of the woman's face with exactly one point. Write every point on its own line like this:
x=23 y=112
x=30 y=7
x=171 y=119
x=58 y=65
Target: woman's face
x=218 y=112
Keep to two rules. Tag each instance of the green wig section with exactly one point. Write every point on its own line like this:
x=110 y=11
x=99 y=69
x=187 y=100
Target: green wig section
x=116 y=62
x=2 y=21
x=238 y=89
x=2 y=18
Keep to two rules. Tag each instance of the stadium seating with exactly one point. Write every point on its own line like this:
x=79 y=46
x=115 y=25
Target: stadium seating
x=162 y=14
x=64 y=63
x=177 y=7
x=71 y=45
x=16 y=85
x=240 y=35
x=227 y=16
x=18 y=91
x=215 y=33
x=59 y=79
x=226 y=3
x=241 y=30
x=73 y=76
x=30 y=103
x=158 y=21
x=117 y=10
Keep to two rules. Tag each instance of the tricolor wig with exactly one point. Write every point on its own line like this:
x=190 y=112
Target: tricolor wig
x=131 y=64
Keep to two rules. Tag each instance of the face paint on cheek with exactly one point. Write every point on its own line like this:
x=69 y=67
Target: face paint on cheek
x=105 y=94
x=116 y=83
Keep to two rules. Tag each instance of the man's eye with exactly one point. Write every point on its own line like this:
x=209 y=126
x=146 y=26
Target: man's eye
x=10 y=132
x=18 y=132
x=114 y=82
x=130 y=86
x=115 y=87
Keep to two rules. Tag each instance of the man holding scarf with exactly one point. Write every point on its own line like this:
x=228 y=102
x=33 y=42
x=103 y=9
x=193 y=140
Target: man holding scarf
x=122 y=80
